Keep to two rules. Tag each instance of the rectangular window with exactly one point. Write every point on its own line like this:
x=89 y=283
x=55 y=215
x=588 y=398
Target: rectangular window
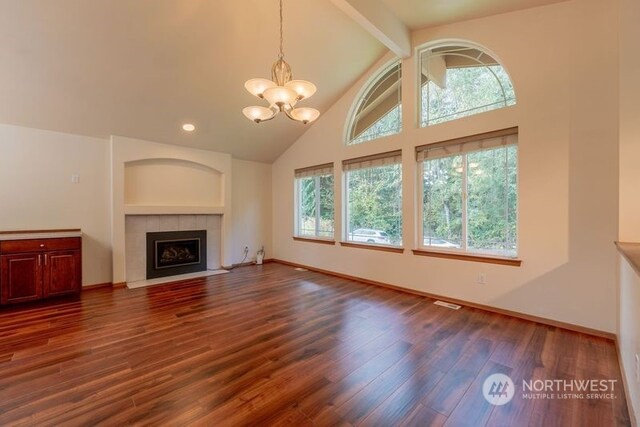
x=373 y=187
x=314 y=201
x=470 y=194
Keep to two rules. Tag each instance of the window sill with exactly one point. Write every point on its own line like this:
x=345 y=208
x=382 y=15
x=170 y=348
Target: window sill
x=373 y=247
x=514 y=262
x=315 y=240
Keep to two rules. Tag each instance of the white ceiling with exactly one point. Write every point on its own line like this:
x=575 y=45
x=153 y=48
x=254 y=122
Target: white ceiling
x=142 y=68
x=428 y=13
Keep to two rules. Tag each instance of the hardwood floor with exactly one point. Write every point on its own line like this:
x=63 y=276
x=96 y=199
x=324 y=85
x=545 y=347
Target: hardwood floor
x=268 y=345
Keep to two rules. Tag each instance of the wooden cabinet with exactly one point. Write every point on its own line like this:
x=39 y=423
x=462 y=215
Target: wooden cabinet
x=62 y=273
x=21 y=278
x=33 y=269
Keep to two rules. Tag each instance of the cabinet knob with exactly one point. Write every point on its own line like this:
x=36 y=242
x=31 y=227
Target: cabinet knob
x=42 y=245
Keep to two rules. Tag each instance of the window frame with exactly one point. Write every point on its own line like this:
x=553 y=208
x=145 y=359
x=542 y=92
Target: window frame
x=345 y=241
x=360 y=98
x=452 y=43
x=297 y=181
x=463 y=252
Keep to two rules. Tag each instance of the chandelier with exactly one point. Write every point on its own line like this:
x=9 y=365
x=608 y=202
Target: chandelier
x=281 y=92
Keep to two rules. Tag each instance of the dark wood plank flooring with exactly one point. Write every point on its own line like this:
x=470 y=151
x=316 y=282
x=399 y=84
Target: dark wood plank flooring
x=268 y=345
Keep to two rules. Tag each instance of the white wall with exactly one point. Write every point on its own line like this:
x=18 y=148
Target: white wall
x=568 y=207
x=251 y=209
x=629 y=299
x=36 y=191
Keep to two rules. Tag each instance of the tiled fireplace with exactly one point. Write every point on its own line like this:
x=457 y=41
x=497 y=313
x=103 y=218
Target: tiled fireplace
x=139 y=227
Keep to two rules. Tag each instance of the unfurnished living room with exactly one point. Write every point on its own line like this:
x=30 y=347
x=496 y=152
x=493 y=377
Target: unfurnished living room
x=320 y=213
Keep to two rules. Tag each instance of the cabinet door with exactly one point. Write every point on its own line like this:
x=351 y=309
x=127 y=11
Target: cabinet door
x=62 y=273
x=21 y=277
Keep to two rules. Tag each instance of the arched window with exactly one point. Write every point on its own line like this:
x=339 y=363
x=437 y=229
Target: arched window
x=378 y=111
x=459 y=81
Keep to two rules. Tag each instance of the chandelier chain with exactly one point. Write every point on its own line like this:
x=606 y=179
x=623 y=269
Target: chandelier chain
x=281 y=38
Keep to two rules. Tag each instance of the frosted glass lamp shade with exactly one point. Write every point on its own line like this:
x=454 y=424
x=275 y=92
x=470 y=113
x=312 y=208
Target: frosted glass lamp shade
x=257 y=87
x=305 y=115
x=303 y=88
x=257 y=114
x=280 y=96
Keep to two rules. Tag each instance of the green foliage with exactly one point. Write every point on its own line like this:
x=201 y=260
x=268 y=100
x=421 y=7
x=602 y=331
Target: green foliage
x=389 y=124
x=316 y=206
x=468 y=91
x=491 y=203
x=443 y=199
x=375 y=200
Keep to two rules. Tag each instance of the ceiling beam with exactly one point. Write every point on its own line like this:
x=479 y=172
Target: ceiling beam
x=375 y=17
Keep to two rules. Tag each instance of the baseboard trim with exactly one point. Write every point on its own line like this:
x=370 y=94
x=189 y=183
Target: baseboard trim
x=529 y=317
x=97 y=286
x=247 y=264
x=104 y=285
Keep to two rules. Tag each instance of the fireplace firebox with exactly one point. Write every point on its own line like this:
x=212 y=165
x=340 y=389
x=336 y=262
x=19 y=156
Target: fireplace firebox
x=170 y=253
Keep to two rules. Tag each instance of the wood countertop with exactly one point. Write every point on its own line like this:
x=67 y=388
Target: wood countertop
x=40 y=234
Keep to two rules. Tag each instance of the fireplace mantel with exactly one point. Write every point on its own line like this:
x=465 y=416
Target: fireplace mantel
x=172 y=210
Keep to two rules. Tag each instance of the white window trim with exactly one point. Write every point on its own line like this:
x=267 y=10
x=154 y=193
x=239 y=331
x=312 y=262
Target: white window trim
x=443 y=43
x=297 y=198
x=359 y=99
x=463 y=250
x=345 y=200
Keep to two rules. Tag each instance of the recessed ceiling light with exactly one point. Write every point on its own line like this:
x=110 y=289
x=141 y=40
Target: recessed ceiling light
x=188 y=127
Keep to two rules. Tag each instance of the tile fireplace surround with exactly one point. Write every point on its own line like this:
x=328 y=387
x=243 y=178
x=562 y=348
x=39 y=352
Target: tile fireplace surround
x=137 y=227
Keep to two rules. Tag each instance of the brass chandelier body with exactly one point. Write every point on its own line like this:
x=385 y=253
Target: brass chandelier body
x=281 y=92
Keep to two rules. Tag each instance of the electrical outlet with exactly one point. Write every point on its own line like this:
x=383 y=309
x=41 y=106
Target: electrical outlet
x=637 y=368
x=75 y=179
x=482 y=279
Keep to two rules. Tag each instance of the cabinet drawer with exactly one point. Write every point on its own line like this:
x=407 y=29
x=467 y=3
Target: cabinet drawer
x=38 y=245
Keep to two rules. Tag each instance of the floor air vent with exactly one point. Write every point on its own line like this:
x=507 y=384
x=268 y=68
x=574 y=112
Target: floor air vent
x=448 y=305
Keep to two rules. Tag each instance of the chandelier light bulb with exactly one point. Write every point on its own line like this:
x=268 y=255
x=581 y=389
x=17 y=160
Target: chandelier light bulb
x=258 y=114
x=281 y=96
x=305 y=115
x=256 y=87
x=303 y=88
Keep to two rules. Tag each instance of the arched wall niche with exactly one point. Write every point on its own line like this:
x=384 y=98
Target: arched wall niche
x=171 y=182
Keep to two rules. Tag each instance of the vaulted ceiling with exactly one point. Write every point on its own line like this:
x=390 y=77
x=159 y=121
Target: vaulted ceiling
x=142 y=68
x=428 y=13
